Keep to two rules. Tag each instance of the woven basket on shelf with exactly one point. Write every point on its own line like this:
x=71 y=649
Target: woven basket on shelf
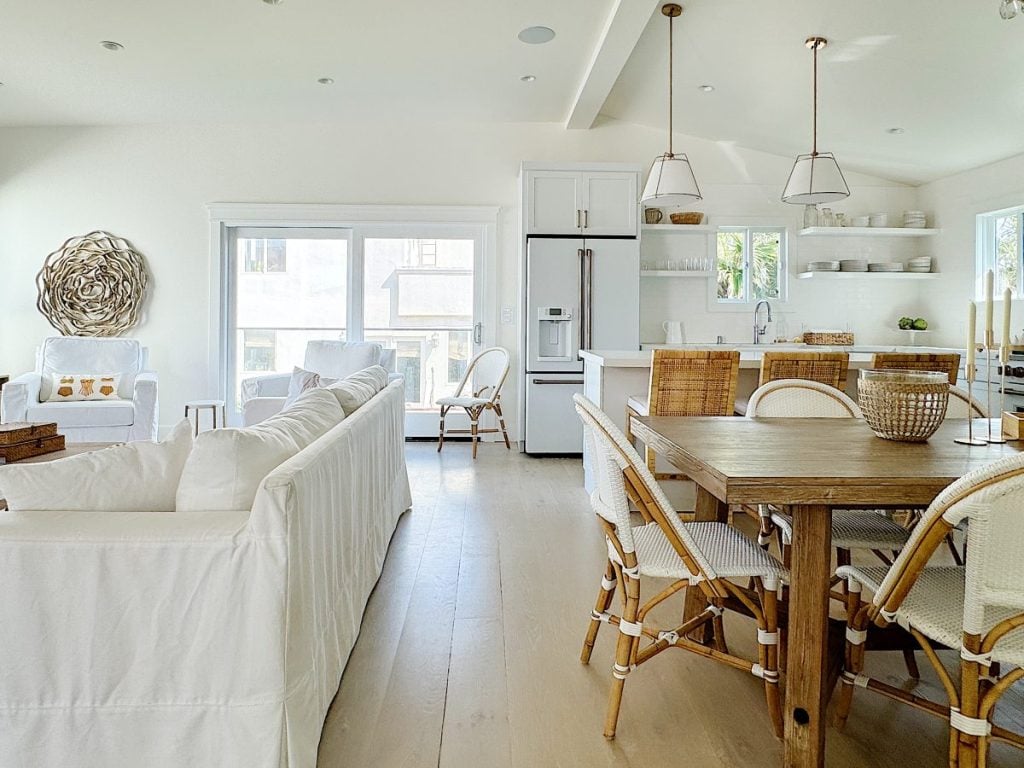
x=903 y=405
x=837 y=338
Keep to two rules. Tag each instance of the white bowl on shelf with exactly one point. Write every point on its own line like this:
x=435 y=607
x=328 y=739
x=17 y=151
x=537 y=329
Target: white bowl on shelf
x=878 y=219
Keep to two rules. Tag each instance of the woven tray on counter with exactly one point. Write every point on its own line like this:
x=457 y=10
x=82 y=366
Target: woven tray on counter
x=829 y=338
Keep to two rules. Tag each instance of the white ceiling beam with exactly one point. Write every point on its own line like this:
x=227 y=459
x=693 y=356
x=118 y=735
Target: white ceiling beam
x=622 y=30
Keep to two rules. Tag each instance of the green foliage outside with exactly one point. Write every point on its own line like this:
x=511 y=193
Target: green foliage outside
x=764 y=273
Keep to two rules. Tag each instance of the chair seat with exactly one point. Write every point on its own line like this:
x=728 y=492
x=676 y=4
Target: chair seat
x=935 y=607
x=855 y=529
x=84 y=413
x=730 y=553
x=640 y=404
x=465 y=401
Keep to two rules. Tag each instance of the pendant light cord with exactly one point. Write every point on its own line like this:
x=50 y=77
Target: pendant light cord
x=670 y=47
x=814 y=120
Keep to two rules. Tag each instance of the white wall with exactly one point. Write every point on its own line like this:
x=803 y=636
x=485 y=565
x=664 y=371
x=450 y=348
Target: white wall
x=151 y=184
x=956 y=201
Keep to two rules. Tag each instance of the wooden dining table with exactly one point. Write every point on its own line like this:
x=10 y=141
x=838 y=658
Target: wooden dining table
x=810 y=466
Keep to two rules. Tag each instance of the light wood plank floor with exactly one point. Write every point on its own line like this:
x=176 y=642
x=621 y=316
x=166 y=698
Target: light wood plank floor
x=469 y=651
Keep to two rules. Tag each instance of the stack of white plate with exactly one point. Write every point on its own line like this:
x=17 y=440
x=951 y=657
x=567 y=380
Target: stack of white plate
x=853 y=265
x=920 y=264
x=823 y=266
x=885 y=266
x=879 y=219
x=914 y=219
x=860 y=221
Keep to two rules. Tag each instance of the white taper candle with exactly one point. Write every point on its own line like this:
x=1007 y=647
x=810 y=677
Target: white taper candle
x=972 y=318
x=989 y=288
x=1004 y=340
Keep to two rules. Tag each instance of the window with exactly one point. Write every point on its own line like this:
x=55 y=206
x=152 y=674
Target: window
x=1001 y=249
x=258 y=350
x=751 y=264
x=264 y=255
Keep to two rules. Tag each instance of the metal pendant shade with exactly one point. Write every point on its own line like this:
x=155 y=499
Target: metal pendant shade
x=670 y=180
x=816 y=177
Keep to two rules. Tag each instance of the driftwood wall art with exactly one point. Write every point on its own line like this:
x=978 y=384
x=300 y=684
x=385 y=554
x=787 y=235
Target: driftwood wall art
x=93 y=285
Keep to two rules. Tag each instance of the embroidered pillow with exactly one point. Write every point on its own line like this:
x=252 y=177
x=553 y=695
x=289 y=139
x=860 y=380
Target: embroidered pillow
x=71 y=387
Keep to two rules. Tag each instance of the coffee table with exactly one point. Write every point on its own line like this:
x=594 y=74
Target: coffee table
x=71 y=450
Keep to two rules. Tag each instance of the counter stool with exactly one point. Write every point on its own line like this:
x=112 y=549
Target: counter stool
x=199 y=405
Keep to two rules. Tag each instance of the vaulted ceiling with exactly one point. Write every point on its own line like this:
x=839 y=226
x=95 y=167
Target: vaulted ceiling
x=948 y=73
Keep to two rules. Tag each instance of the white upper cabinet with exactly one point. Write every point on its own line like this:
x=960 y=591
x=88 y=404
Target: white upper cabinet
x=595 y=203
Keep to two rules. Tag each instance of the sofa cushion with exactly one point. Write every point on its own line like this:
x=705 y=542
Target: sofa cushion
x=357 y=390
x=84 y=413
x=226 y=466
x=75 y=354
x=302 y=380
x=133 y=477
x=338 y=359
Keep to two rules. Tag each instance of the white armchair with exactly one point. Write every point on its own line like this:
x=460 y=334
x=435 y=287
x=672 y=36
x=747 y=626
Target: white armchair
x=263 y=396
x=131 y=417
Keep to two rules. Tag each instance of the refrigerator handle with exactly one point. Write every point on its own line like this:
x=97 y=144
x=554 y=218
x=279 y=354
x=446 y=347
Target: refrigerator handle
x=581 y=338
x=588 y=279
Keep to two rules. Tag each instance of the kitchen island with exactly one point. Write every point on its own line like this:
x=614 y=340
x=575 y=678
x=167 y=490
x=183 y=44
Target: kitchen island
x=611 y=377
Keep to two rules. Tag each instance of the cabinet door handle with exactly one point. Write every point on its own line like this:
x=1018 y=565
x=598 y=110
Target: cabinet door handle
x=558 y=381
x=586 y=218
x=577 y=218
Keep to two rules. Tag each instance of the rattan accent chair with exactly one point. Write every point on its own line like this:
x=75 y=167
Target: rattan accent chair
x=948 y=363
x=686 y=382
x=702 y=556
x=978 y=609
x=487 y=380
x=825 y=367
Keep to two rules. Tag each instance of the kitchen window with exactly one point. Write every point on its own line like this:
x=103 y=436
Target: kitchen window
x=1001 y=249
x=750 y=264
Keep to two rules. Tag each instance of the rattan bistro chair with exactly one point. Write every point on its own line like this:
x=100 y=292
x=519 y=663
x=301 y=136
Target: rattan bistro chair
x=487 y=372
x=702 y=556
x=978 y=609
x=947 y=363
x=686 y=382
x=824 y=367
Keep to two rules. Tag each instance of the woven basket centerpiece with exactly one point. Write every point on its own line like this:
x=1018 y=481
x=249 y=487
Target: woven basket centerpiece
x=903 y=405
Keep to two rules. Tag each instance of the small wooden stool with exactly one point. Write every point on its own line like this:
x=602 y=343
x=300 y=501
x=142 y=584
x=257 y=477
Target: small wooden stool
x=213 y=405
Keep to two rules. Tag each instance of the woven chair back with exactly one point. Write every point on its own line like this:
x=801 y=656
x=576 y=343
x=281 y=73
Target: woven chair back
x=947 y=363
x=961 y=404
x=693 y=382
x=825 y=367
x=795 y=398
x=618 y=456
x=486 y=373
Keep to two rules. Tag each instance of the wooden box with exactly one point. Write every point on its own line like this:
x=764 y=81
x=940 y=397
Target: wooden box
x=30 y=448
x=23 y=431
x=1013 y=425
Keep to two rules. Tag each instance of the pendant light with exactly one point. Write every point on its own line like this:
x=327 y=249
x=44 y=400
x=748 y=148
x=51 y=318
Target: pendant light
x=816 y=177
x=671 y=180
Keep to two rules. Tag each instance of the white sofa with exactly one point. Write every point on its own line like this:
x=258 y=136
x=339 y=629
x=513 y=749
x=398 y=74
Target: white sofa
x=133 y=416
x=263 y=396
x=201 y=639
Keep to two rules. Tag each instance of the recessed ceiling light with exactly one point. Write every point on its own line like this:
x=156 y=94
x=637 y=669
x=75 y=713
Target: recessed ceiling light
x=524 y=78
x=273 y=2
x=895 y=131
x=326 y=81
x=537 y=35
x=110 y=45
x=706 y=88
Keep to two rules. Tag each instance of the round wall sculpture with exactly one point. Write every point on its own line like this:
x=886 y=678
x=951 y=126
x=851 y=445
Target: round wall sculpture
x=93 y=285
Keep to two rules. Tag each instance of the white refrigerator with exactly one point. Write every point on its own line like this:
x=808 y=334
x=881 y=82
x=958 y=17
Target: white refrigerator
x=580 y=294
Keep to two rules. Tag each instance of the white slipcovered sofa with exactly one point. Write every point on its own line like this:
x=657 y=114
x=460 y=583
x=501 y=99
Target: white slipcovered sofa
x=201 y=638
x=133 y=416
x=263 y=396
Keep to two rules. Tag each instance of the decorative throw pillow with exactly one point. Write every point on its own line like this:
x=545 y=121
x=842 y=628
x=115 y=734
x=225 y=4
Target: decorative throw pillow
x=356 y=390
x=71 y=387
x=303 y=380
x=133 y=477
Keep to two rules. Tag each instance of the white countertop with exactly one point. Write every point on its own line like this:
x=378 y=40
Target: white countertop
x=750 y=354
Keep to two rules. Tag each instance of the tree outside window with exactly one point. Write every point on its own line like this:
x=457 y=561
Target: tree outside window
x=751 y=264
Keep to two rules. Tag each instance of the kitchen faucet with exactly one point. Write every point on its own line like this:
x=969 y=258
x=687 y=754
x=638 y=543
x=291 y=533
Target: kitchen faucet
x=760 y=330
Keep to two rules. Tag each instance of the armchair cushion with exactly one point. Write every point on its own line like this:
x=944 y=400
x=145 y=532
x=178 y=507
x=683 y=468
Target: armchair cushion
x=358 y=389
x=72 y=387
x=134 y=477
x=84 y=413
x=74 y=354
x=338 y=359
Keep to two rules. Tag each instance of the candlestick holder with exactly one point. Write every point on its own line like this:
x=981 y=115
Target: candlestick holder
x=998 y=439
x=970 y=439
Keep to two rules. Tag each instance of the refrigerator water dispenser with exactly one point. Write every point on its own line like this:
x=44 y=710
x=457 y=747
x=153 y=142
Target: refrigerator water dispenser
x=554 y=334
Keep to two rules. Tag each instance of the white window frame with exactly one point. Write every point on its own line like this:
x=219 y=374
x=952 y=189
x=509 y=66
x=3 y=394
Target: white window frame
x=714 y=304
x=464 y=222
x=985 y=250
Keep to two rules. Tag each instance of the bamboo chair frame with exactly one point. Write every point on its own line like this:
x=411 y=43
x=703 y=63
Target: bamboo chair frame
x=947 y=363
x=477 y=409
x=760 y=602
x=824 y=367
x=687 y=382
x=971 y=705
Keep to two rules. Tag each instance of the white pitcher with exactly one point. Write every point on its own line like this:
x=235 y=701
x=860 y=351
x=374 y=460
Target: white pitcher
x=673 y=331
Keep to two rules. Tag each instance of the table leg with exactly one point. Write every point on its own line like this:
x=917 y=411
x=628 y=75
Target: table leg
x=709 y=510
x=807 y=680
